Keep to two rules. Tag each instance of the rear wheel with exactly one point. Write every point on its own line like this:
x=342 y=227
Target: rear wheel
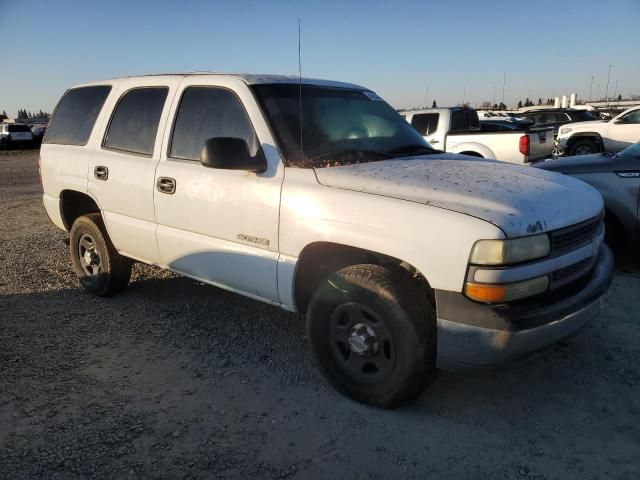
x=373 y=335
x=586 y=146
x=101 y=270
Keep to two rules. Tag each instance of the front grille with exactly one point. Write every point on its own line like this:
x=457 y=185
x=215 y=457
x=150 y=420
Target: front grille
x=566 y=273
x=573 y=237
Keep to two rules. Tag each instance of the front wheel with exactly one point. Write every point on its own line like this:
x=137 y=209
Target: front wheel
x=101 y=270
x=373 y=335
x=584 y=147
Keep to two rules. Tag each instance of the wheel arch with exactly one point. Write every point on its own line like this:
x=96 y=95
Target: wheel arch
x=595 y=136
x=473 y=149
x=74 y=204
x=319 y=259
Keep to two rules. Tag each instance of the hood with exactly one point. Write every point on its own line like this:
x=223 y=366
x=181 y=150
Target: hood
x=520 y=200
x=598 y=162
x=588 y=125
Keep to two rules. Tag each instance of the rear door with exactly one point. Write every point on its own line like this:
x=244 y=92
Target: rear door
x=427 y=125
x=122 y=169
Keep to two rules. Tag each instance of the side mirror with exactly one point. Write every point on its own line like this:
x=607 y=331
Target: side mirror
x=229 y=153
x=618 y=121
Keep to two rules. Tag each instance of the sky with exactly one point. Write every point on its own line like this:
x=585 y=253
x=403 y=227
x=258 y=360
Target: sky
x=409 y=52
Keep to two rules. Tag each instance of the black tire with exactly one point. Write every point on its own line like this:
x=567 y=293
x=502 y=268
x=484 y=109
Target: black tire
x=403 y=323
x=614 y=234
x=101 y=270
x=585 y=146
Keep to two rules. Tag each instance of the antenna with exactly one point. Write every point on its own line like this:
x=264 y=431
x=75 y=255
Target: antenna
x=300 y=89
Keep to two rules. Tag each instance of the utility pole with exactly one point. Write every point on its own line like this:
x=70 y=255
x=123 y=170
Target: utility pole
x=606 y=95
x=426 y=98
x=464 y=95
x=597 y=92
x=494 y=97
x=615 y=92
x=591 y=89
x=504 y=82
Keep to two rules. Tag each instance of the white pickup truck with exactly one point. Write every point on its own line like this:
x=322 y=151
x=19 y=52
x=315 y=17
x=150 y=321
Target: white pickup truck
x=400 y=255
x=585 y=138
x=457 y=130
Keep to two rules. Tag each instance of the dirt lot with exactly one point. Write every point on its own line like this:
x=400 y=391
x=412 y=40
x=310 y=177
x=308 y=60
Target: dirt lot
x=177 y=379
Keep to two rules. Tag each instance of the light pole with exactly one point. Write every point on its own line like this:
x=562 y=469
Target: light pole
x=504 y=82
x=494 y=97
x=591 y=88
x=606 y=94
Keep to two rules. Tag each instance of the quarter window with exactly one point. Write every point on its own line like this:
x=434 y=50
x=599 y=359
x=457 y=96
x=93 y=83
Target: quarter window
x=209 y=112
x=134 y=123
x=75 y=115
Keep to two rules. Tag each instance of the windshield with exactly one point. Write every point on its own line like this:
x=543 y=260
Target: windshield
x=339 y=126
x=632 y=151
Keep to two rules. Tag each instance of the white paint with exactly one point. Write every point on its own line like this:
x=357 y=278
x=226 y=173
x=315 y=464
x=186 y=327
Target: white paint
x=426 y=211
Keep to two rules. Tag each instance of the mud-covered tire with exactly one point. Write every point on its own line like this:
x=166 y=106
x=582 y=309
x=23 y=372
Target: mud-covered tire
x=586 y=146
x=101 y=270
x=399 y=319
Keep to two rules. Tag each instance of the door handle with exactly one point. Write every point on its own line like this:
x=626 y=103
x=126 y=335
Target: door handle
x=101 y=173
x=433 y=142
x=166 y=185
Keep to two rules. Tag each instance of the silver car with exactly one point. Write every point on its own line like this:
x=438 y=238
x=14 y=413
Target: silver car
x=617 y=178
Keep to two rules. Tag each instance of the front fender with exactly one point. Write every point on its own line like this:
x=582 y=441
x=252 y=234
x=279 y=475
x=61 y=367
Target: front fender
x=436 y=241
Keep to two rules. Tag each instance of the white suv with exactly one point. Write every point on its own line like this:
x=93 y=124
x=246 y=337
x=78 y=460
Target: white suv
x=399 y=254
x=613 y=135
x=12 y=134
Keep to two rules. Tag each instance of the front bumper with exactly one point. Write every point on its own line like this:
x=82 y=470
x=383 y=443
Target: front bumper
x=473 y=334
x=561 y=145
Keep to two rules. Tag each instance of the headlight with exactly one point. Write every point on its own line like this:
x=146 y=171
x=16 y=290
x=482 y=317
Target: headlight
x=505 y=252
x=509 y=292
x=564 y=131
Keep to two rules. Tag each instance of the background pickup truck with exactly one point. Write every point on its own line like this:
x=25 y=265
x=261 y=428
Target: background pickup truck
x=457 y=130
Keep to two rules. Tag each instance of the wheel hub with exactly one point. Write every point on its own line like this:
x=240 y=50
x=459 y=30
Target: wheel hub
x=363 y=340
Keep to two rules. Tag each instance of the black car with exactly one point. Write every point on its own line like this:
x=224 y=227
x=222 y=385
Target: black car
x=556 y=117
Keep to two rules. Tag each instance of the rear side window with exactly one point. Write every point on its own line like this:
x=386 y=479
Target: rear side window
x=425 y=123
x=18 y=129
x=75 y=115
x=209 y=112
x=135 y=120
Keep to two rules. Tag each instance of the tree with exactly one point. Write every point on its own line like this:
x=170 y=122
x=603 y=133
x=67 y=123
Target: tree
x=540 y=101
x=3 y=115
x=520 y=104
x=434 y=104
x=485 y=104
x=620 y=96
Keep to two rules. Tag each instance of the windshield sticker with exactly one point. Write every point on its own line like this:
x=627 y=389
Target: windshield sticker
x=373 y=96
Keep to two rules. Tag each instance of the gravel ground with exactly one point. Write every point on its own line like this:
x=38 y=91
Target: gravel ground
x=174 y=379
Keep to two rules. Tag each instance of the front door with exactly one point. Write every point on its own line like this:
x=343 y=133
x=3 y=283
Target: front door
x=623 y=132
x=219 y=226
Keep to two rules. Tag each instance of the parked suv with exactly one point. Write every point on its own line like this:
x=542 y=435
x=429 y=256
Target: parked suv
x=556 y=117
x=316 y=196
x=14 y=134
x=611 y=136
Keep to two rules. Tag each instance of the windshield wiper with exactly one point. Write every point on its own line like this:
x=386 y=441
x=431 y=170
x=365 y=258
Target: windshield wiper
x=413 y=150
x=352 y=155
